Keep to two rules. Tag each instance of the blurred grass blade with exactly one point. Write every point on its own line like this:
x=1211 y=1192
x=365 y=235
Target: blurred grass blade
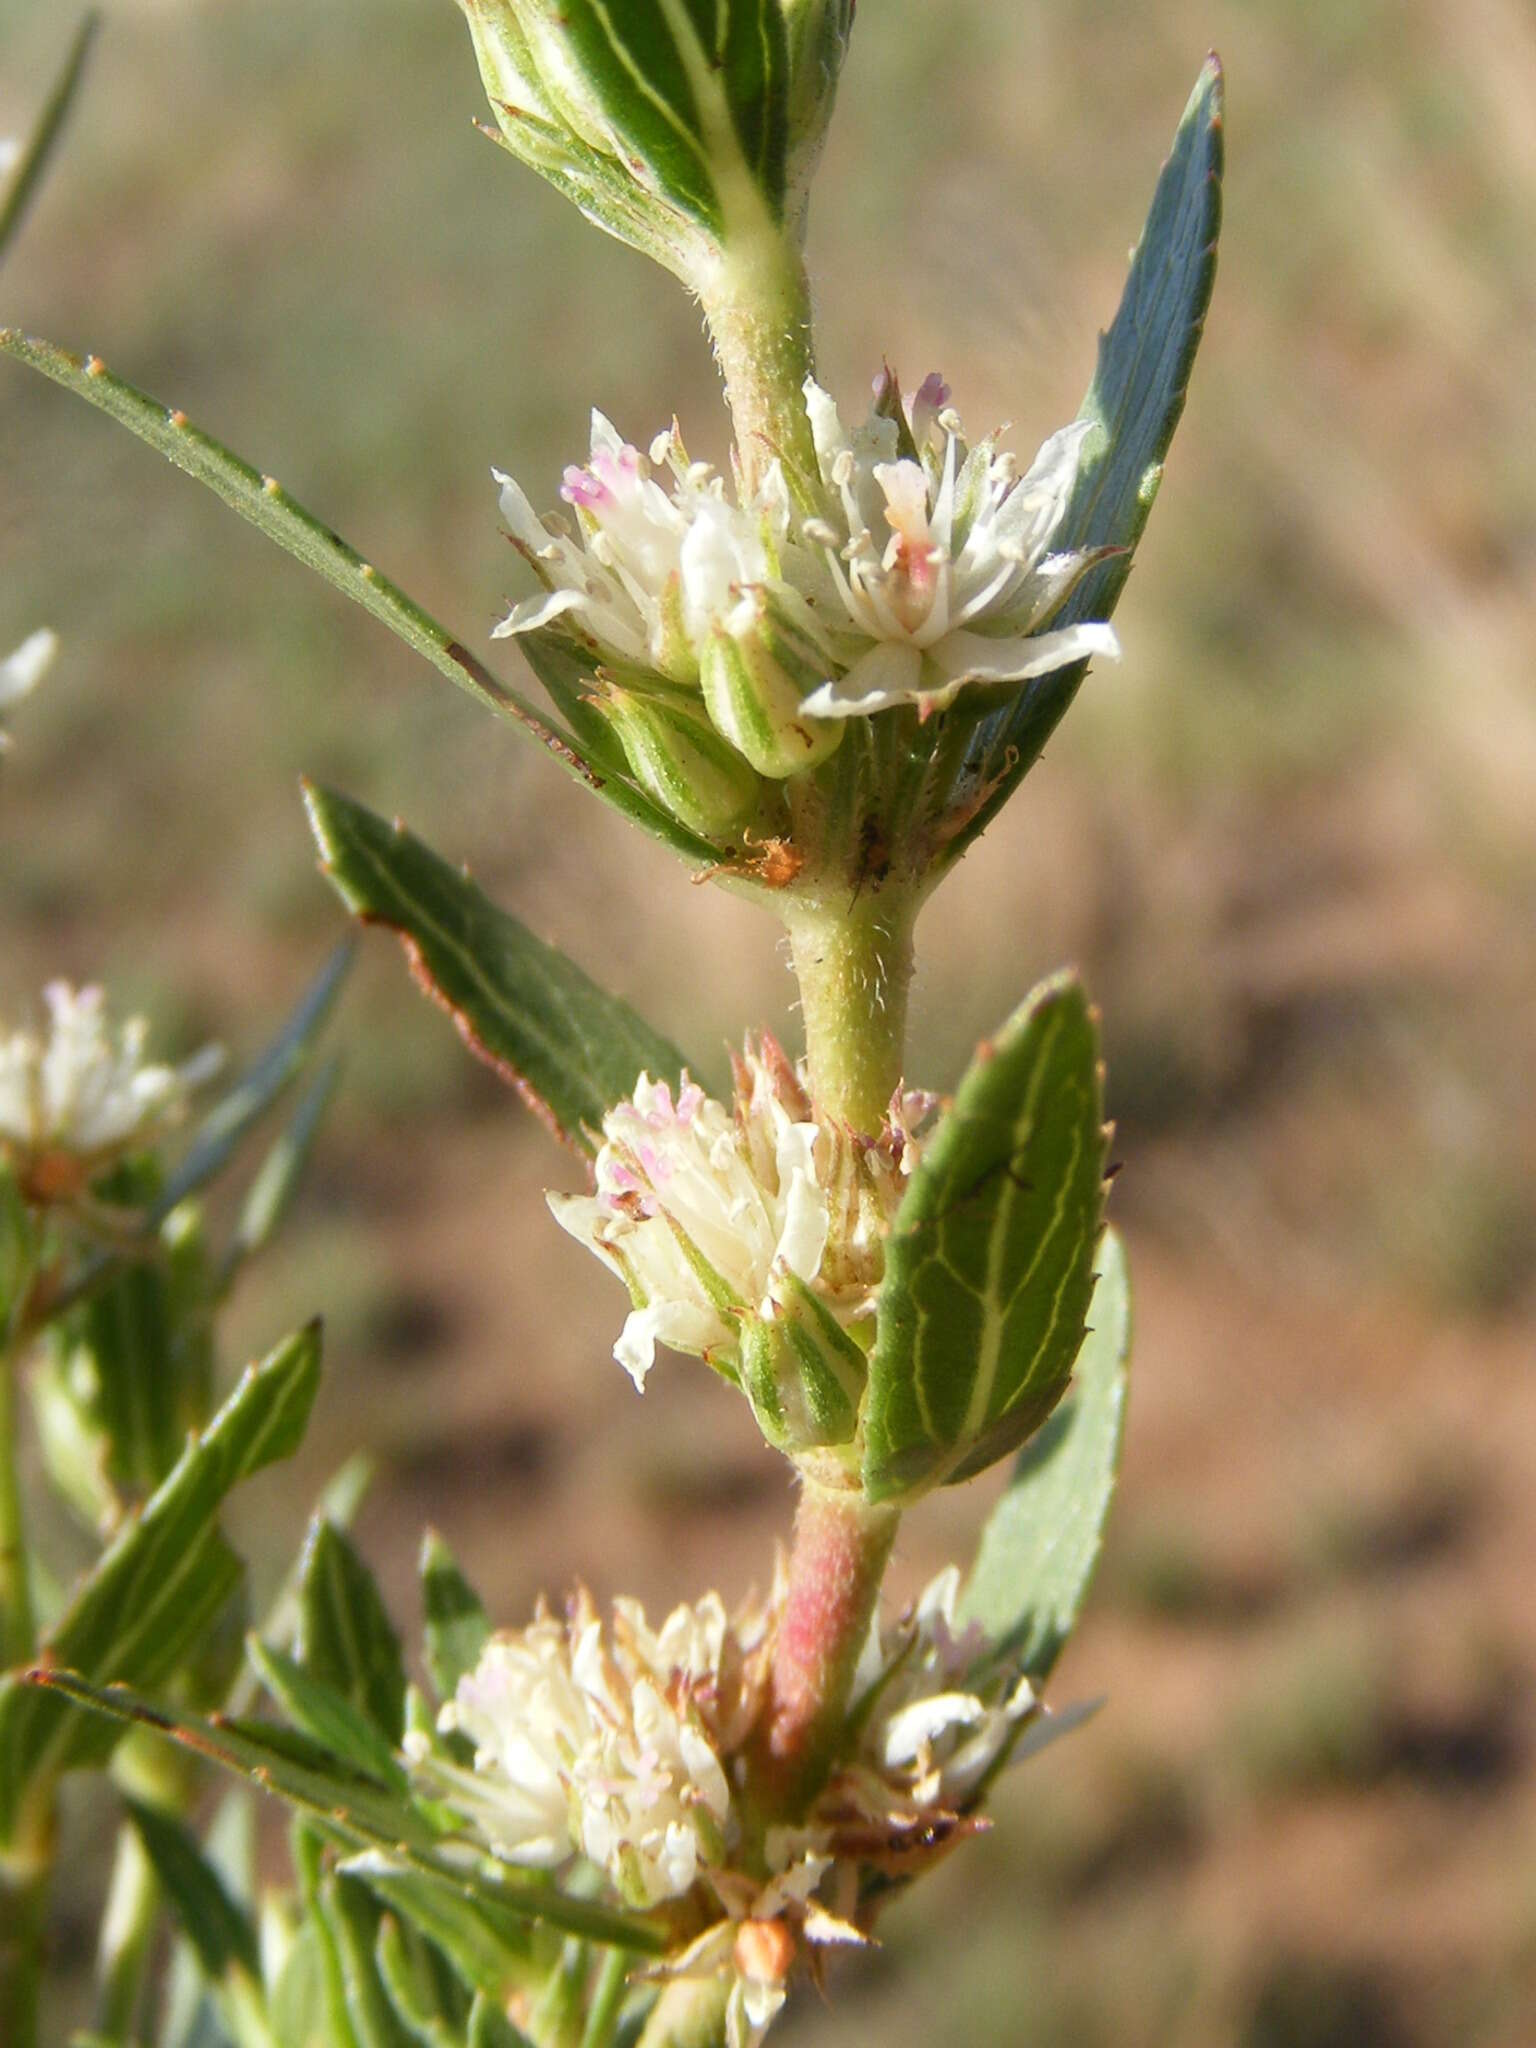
x=1041 y=1544
x=156 y=1590
x=269 y=508
x=989 y=1264
x=1136 y=400
x=221 y=1935
x=349 y=1806
x=245 y=1104
x=569 y=1048
x=354 y=1915
x=18 y=187
x=277 y=1179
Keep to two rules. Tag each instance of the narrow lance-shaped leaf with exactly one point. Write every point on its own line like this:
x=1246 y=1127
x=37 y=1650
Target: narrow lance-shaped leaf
x=1041 y=1543
x=213 y=1921
x=346 y=1637
x=571 y=1049
x=989 y=1265
x=327 y=1716
x=456 y=1626
x=350 y=1807
x=1135 y=401
x=271 y=510
x=159 y=1585
x=19 y=185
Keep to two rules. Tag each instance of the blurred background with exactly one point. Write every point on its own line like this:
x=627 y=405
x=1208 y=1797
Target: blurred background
x=1291 y=840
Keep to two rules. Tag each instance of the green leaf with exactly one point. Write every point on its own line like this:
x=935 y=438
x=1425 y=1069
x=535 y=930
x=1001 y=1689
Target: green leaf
x=263 y=502
x=412 y=1991
x=1136 y=400
x=571 y=1049
x=1041 y=1544
x=989 y=1265
x=16 y=191
x=456 y=1627
x=348 y=1806
x=489 y=1950
x=159 y=1585
x=214 y=1923
x=325 y=1715
x=353 y=1913
x=346 y=1638
x=489 y=2027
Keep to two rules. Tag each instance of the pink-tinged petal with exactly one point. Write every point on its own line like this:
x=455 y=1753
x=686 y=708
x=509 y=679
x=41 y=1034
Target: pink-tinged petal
x=887 y=674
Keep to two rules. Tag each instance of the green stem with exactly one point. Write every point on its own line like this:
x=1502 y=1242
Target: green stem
x=757 y=301
x=26 y=1859
x=23 y=1927
x=690 y=2013
x=17 y=1633
x=607 y=1999
x=841 y=1546
x=853 y=961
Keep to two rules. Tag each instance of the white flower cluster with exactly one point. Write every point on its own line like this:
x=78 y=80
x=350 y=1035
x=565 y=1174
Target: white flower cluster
x=706 y=1212
x=622 y=1744
x=75 y=1097
x=22 y=670
x=605 y=1743
x=928 y=565
x=929 y=1735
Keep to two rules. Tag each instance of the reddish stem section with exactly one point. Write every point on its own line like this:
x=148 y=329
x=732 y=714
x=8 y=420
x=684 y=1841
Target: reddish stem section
x=840 y=1550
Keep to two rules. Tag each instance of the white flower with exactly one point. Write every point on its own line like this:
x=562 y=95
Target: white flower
x=21 y=671
x=937 y=561
x=707 y=1215
x=606 y=1743
x=72 y=1099
x=10 y=155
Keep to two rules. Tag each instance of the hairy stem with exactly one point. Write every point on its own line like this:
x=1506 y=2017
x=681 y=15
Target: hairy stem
x=853 y=961
x=757 y=302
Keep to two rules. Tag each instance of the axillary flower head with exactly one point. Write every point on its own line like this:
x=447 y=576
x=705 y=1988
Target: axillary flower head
x=736 y=1227
x=730 y=637
x=77 y=1097
x=605 y=1741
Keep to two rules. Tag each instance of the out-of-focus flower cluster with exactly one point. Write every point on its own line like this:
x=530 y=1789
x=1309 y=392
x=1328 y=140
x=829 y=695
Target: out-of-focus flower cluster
x=78 y=1095
x=22 y=670
x=628 y=1746
x=731 y=638
x=723 y=1219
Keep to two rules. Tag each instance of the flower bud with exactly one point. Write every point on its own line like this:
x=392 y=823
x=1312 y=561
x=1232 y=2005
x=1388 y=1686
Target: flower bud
x=754 y=700
x=690 y=771
x=802 y=1372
